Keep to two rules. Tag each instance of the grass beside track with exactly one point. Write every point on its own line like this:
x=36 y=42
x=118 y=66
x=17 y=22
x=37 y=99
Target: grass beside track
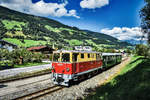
x=133 y=83
x=30 y=64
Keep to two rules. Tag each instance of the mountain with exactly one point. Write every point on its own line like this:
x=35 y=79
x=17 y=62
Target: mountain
x=134 y=41
x=107 y=39
x=28 y=30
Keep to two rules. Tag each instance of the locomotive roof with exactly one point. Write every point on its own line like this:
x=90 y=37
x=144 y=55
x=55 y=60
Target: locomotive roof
x=110 y=54
x=75 y=51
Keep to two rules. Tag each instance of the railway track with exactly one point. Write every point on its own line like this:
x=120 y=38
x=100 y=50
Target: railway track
x=40 y=93
x=33 y=82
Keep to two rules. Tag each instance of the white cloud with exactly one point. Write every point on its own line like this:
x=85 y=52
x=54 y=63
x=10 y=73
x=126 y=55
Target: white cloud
x=40 y=8
x=92 y=4
x=125 y=33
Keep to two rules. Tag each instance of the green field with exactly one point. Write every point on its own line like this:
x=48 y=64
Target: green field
x=27 y=43
x=13 y=24
x=74 y=42
x=133 y=83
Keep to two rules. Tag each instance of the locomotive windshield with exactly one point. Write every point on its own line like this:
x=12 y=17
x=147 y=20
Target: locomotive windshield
x=65 y=57
x=56 y=57
x=61 y=57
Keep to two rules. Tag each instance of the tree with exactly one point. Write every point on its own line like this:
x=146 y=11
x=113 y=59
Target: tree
x=142 y=50
x=4 y=54
x=20 y=56
x=145 y=15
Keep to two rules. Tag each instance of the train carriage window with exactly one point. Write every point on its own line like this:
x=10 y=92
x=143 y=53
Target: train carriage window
x=104 y=58
x=56 y=56
x=65 y=57
x=82 y=55
x=98 y=56
x=88 y=55
x=92 y=55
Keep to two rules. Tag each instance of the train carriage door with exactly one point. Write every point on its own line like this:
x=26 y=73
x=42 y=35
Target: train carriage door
x=75 y=60
x=105 y=60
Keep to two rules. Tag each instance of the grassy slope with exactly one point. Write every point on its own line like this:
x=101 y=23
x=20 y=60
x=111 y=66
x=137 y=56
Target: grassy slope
x=132 y=84
x=13 y=24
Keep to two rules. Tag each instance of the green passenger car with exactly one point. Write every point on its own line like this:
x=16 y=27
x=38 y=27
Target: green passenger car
x=110 y=59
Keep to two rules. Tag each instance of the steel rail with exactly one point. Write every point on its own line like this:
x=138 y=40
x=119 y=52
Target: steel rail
x=40 y=93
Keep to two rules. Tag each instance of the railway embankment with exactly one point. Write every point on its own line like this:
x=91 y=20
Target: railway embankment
x=132 y=83
x=20 y=73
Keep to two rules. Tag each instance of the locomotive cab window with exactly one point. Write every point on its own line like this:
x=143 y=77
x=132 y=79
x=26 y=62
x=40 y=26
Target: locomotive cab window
x=65 y=57
x=56 y=57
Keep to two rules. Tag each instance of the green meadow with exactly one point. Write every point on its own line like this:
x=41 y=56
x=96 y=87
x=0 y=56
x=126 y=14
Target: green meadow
x=13 y=24
x=26 y=43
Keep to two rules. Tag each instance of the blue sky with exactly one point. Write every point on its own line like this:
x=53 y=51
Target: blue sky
x=106 y=16
x=118 y=13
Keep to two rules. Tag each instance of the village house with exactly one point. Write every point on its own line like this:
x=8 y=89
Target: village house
x=42 y=49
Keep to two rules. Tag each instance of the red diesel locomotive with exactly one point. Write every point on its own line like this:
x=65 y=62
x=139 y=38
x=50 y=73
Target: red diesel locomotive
x=73 y=65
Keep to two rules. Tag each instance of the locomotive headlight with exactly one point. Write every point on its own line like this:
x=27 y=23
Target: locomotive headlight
x=52 y=68
x=67 y=69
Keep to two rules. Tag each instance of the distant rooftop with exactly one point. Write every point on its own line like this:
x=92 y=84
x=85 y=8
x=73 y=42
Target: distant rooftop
x=36 y=48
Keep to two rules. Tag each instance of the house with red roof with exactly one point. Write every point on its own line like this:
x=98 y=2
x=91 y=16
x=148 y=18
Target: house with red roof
x=42 y=49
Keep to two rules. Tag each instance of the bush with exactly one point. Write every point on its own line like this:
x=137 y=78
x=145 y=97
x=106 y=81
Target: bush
x=51 y=57
x=4 y=54
x=37 y=57
x=4 y=63
x=19 y=57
